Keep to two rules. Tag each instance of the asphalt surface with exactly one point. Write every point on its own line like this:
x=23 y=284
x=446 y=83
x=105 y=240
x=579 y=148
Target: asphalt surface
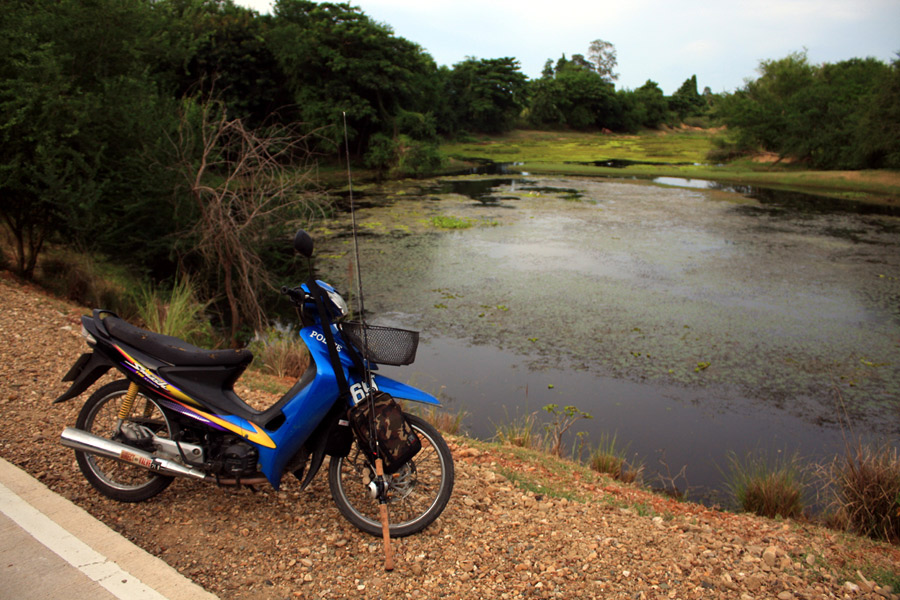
x=51 y=548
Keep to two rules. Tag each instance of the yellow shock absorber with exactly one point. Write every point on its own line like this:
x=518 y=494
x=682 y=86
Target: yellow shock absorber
x=128 y=402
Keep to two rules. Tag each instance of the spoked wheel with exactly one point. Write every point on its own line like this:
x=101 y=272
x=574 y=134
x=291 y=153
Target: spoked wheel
x=100 y=415
x=419 y=490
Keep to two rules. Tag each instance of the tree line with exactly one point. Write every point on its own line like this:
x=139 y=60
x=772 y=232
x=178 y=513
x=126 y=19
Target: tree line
x=124 y=122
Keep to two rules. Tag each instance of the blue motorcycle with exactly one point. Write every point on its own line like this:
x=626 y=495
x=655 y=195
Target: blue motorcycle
x=176 y=414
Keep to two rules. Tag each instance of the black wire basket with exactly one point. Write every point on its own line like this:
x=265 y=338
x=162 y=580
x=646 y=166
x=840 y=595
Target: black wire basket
x=385 y=345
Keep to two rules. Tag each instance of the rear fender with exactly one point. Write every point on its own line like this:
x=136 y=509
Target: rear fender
x=89 y=367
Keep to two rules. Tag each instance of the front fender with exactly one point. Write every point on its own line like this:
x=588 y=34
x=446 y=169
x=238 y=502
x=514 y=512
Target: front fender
x=401 y=391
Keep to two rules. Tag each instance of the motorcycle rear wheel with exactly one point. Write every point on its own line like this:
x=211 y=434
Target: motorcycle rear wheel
x=119 y=480
x=419 y=490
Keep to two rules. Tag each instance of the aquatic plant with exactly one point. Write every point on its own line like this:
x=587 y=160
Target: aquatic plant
x=450 y=222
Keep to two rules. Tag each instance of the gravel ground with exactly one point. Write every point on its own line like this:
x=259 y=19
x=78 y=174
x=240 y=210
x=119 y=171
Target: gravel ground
x=494 y=540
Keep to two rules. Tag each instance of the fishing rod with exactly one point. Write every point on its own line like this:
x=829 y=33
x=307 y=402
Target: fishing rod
x=379 y=464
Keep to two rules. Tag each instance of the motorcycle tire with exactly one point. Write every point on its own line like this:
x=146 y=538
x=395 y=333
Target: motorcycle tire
x=119 y=480
x=419 y=490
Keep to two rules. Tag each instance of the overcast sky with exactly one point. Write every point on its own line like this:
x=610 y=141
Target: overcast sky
x=721 y=41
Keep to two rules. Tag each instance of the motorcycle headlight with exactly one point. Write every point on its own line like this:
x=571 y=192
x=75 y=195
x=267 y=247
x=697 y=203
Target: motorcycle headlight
x=339 y=303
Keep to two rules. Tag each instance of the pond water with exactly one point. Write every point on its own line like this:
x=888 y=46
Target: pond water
x=688 y=322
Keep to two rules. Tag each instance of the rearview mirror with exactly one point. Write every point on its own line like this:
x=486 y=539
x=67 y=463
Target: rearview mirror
x=303 y=243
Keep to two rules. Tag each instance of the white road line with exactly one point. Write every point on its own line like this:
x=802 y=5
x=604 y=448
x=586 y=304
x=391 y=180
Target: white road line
x=97 y=567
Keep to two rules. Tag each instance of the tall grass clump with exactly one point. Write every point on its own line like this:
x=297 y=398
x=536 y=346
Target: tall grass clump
x=281 y=353
x=519 y=432
x=610 y=459
x=767 y=488
x=865 y=483
x=176 y=312
x=444 y=420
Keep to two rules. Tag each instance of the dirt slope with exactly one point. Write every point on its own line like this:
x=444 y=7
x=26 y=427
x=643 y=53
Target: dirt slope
x=493 y=541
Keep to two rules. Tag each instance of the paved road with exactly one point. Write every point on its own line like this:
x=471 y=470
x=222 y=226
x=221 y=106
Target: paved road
x=50 y=548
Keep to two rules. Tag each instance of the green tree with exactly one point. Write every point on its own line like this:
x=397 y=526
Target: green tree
x=763 y=111
x=651 y=106
x=824 y=115
x=486 y=94
x=226 y=55
x=686 y=101
x=336 y=60
x=574 y=95
x=78 y=122
x=878 y=136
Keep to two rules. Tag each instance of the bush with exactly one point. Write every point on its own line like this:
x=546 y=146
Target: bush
x=866 y=486
x=280 y=353
x=725 y=149
x=767 y=488
x=402 y=156
x=77 y=278
x=176 y=312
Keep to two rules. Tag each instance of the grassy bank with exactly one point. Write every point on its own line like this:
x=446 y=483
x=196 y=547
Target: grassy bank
x=670 y=153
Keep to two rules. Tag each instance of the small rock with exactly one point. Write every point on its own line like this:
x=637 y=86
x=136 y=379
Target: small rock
x=753 y=582
x=770 y=555
x=785 y=596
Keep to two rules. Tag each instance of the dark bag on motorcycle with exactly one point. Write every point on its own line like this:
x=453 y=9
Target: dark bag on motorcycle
x=397 y=442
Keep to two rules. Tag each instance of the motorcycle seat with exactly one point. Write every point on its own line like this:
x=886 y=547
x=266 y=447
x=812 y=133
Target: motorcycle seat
x=172 y=349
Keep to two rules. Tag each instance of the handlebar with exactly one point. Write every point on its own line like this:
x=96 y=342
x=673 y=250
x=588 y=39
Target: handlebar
x=296 y=294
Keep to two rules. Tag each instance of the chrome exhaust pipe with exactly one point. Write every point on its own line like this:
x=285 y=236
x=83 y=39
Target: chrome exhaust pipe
x=88 y=442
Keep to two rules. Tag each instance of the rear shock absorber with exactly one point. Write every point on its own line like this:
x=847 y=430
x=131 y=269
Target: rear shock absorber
x=127 y=402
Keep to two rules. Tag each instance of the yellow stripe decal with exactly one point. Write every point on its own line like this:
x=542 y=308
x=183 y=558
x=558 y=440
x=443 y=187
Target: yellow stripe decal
x=257 y=435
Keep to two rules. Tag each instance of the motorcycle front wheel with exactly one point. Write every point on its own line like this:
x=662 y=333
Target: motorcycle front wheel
x=419 y=490
x=119 y=480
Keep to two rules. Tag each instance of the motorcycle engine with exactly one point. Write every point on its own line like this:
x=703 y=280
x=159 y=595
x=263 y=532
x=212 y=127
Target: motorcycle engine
x=236 y=459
